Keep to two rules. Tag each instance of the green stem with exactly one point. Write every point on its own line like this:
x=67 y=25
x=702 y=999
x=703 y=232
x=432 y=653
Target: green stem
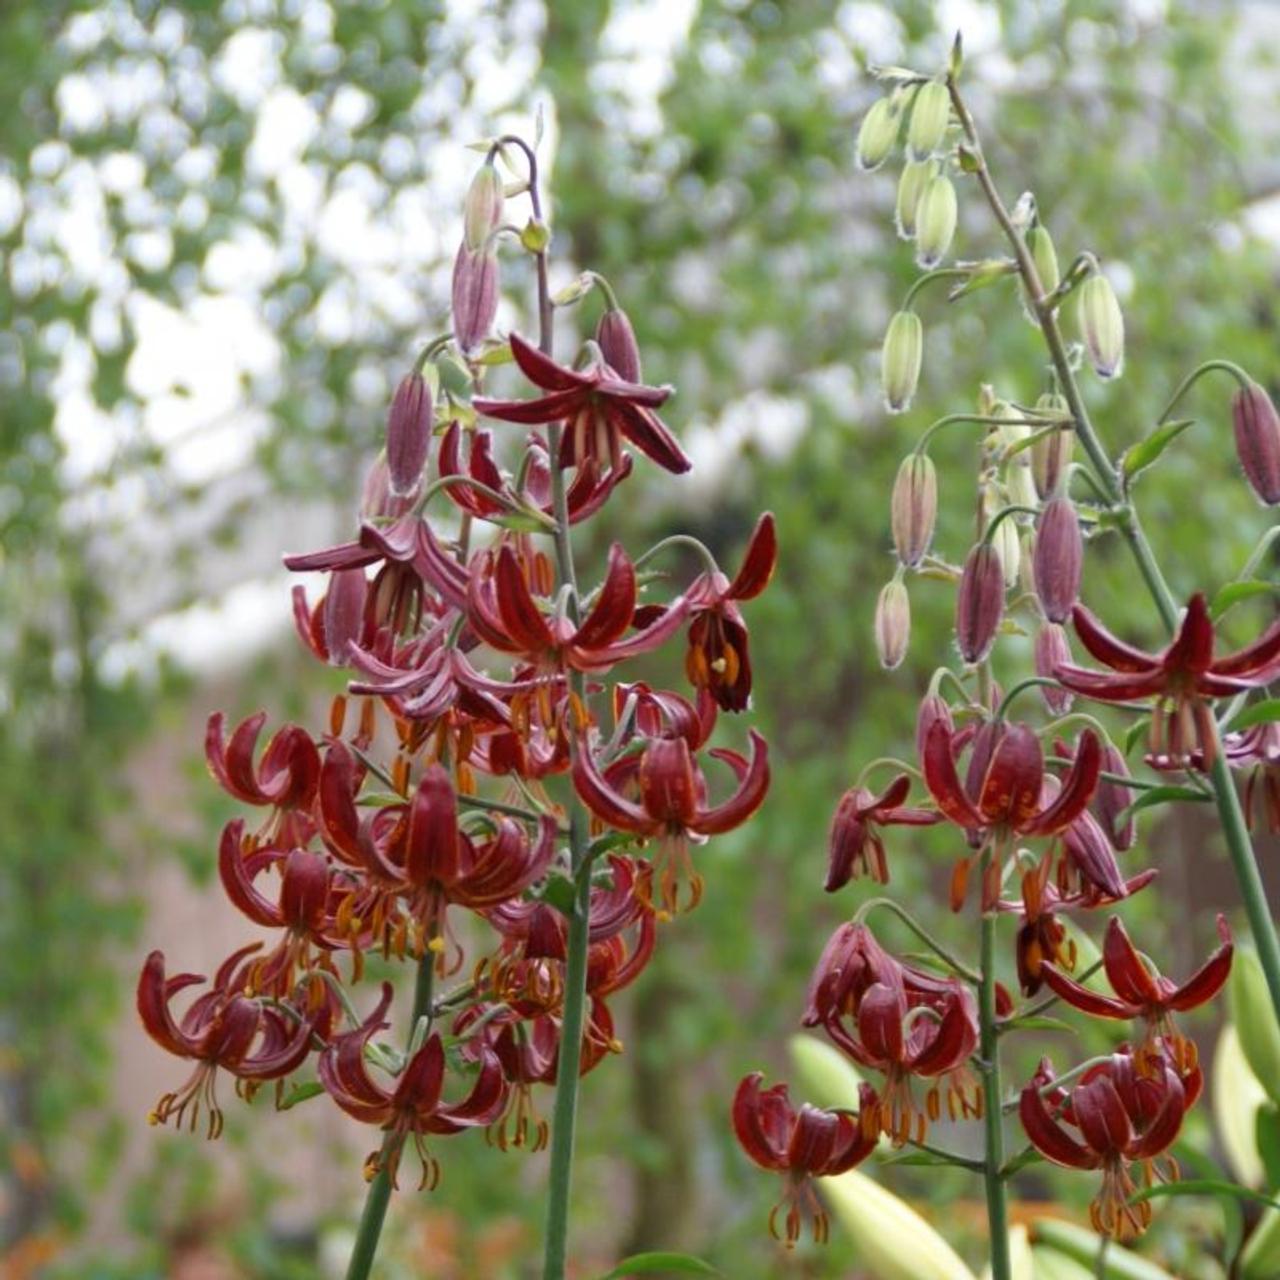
x=889 y=904
x=378 y=1197
x=989 y=1047
x=1195 y=375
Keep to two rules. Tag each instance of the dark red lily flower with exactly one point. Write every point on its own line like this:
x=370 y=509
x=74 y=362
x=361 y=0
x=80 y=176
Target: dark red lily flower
x=285 y=778
x=854 y=844
x=804 y=1144
x=506 y=615
x=598 y=408
x=414 y=1108
x=1142 y=992
x=1123 y=1115
x=1257 y=749
x=1183 y=679
x=718 y=658
x=222 y=1028
x=671 y=805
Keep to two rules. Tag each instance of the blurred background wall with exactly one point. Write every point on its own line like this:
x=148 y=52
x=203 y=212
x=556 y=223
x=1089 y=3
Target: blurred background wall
x=224 y=230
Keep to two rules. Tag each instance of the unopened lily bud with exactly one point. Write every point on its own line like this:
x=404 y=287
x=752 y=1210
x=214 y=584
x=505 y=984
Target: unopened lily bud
x=344 y=613
x=930 y=115
x=409 y=433
x=913 y=509
x=878 y=133
x=1045 y=256
x=935 y=221
x=979 y=603
x=1052 y=649
x=1112 y=799
x=482 y=208
x=1258 y=441
x=915 y=177
x=475 y=296
x=893 y=623
x=1051 y=453
x=900 y=360
x=1008 y=547
x=617 y=342
x=377 y=502
x=1058 y=559
x=1101 y=325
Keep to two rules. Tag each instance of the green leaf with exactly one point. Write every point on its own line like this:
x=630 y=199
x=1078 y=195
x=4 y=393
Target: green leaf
x=1257 y=713
x=1202 y=1187
x=1232 y=1212
x=1041 y=1022
x=1141 y=455
x=659 y=1263
x=1163 y=795
x=1267 y=1132
x=1135 y=733
x=300 y=1093
x=1235 y=592
x=559 y=893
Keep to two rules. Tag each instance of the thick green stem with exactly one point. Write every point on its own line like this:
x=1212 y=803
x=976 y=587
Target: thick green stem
x=1234 y=829
x=989 y=1047
x=378 y=1197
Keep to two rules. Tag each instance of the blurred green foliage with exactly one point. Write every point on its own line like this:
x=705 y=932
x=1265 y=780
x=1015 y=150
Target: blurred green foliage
x=759 y=269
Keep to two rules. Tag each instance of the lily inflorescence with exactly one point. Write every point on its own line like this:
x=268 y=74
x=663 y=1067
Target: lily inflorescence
x=1039 y=809
x=498 y=797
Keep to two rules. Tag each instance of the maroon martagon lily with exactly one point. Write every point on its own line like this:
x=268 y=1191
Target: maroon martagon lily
x=802 y=1144
x=223 y=1028
x=598 y=408
x=1142 y=992
x=718 y=658
x=1008 y=794
x=1183 y=678
x=1123 y=1116
x=854 y=844
x=671 y=804
x=414 y=1108
x=1257 y=750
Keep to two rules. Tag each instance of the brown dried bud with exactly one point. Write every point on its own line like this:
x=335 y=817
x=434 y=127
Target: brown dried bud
x=482 y=208
x=617 y=342
x=1058 y=559
x=475 y=296
x=1051 y=453
x=913 y=510
x=893 y=624
x=409 y=433
x=1111 y=800
x=1052 y=649
x=979 y=603
x=1258 y=441
x=344 y=613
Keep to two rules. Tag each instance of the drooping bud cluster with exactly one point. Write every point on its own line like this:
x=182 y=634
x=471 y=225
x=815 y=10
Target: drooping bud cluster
x=489 y=763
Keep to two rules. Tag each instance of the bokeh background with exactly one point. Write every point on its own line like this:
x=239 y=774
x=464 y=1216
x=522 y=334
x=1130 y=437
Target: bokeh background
x=224 y=230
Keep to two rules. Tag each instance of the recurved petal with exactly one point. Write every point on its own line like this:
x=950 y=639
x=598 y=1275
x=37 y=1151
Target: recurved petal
x=524 y=621
x=880 y=1022
x=432 y=852
x=1077 y=789
x=759 y=561
x=1011 y=787
x=1108 y=648
x=237 y=881
x=542 y=370
x=1261 y=655
x=550 y=408
x=614 y=606
x=762 y=1121
x=608 y=805
x=1192 y=647
x=745 y=800
x=1082 y=998
x=941 y=778
x=1130 y=978
x=1098 y=1110
x=1208 y=980
x=1047 y=1136
x=648 y=433
x=154 y=994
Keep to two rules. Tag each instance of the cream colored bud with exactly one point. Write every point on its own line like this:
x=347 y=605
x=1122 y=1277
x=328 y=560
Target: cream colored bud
x=482 y=209
x=915 y=177
x=878 y=133
x=935 y=221
x=913 y=509
x=893 y=623
x=1101 y=325
x=900 y=360
x=1008 y=545
x=930 y=115
x=1051 y=453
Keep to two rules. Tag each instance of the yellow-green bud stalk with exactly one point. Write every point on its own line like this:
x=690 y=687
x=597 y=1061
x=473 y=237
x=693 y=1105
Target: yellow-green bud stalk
x=930 y=115
x=878 y=133
x=935 y=221
x=1101 y=325
x=915 y=177
x=900 y=360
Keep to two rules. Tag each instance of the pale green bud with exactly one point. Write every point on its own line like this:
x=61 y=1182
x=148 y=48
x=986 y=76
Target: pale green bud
x=878 y=133
x=893 y=624
x=930 y=115
x=1101 y=325
x=935 y=221
x=915 y=177
x=1045 y=256
x=482 y=209
x=900 y=360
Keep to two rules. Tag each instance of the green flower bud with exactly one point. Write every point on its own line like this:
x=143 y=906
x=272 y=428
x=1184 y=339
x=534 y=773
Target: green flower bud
x=911 y=185
x=900 y=360
x=913 y=509
x=935 y=221
x=930 y=115
x=1051 y=453
x=878 y=133
x=1045 y=256
x=893 y=624
x=1101 y=325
